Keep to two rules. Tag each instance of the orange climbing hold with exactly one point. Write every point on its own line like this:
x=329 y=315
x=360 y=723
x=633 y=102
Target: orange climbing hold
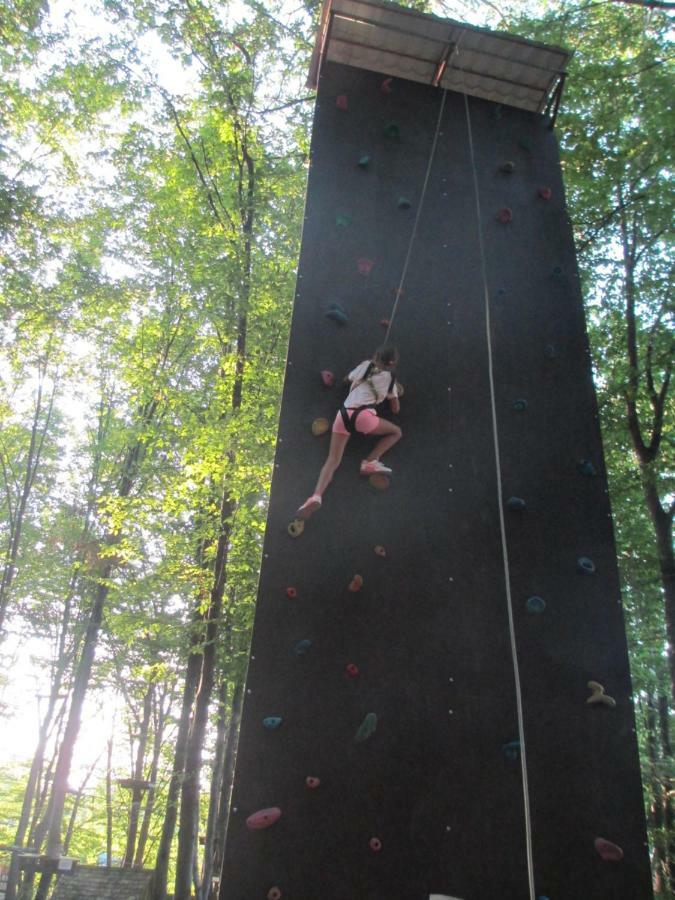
x=380 y=551
x=342 y=102
x=320 y=426
x=608 y=851
x=356 y=584
x=379 y=482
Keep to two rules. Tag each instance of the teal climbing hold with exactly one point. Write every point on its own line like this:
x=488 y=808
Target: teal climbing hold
x=585 y=565
x=586 y=467
x=535 y=604
x=302 y=647
x=342 y=220
x=526 y=144
x=337 y=314
x=364 y=161
x=520 y=404
x=515 y=503
x=511 y=751
x=404 y=203
x=392 y=131
x=271 y=723
x=550 y=352
x=366 y=728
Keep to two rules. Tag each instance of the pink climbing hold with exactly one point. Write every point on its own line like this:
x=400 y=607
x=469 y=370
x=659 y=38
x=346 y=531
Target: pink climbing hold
x=341 y=102
x=312 y=782
x=274 y=894
x=545 y=193
x=380 y=551
x=364 y=265
x=385 y=87
x=385 y=323
x=291 y=593
x=356 y=584
x=608 y=851
x=505 y=216
x=327 y=377
x=352 y=670
x=263 y=818
x=375 y=844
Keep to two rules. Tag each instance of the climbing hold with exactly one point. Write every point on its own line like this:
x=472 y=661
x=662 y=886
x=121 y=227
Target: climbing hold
x=312 y=782
x=364 y=265
x=352 y=670
x=320 y=426
x=337 y=314
x=545 y=193
x=296 y=527
x=274 y=894
x=598 y=696
x=557 y=273
x=392 y=131
x=525 y=143
x=586 y=467
x=500 y=293
x=385 y=323
x=400 y=389
x=404 y=203
x=535 y=604
x=366 y=728
x=356 y=584
x=520 y=404
x=385 y=87
x=508 y=167
x=302 y=647
x=515 y=503
x=380 y=551
x=327 y=377
x=291 y=593
x=586 y=566
x=505 y=216
x=379 y=482
x=263 y=818
x=496 y=113
x=607 y=850
x=342 y=220
x=550 y=352
x=342 y=102
x=364 y=161
x=271 y=723
x=375 y=844
x=511 y=751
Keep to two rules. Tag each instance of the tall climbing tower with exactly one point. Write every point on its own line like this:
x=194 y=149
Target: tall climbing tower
x=438 y=701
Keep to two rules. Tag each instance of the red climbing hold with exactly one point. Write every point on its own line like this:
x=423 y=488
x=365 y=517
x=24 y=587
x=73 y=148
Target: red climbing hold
x=375 y=844
x=379 y=482
x=380 y=551
x=356 y=584
x=385 y=87
x=545 y=193
x=364 y=265
x=352 y=670
x=341 y=102
x=327 y=377
x=274 y=894
x=291 y=593
x=263 y=818
x=505 y=216
x=312 y=782
x=385 y=323
x=608 y=851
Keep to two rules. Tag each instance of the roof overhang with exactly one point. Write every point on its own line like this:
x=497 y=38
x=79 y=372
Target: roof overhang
x=404 y=43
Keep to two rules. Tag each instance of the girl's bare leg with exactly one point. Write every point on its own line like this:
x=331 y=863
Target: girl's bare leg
x=338 y=442
x=391 y=435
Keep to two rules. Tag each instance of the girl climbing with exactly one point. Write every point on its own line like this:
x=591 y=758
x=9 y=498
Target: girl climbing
x=372 y=382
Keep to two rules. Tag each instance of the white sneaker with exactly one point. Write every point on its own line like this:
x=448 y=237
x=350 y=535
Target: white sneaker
x=374 y=467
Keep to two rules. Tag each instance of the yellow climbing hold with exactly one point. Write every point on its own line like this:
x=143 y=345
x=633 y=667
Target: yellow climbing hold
x=320 y=426
x=598 y=695
x=296 y=528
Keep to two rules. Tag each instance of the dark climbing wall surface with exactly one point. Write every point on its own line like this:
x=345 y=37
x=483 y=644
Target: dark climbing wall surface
x=436 y=783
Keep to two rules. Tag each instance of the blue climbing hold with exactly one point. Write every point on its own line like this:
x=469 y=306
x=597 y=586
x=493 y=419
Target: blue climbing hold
x=366 y=728
x=511 y=751
x=515 y=503
x=585 y=565
x=520 y=404
x=586 y=467
x=337 y=314
x=535 y=604
x=272 y=722
x=364 y=161
x=500 y=293
x=302 y=647
x=550 y=352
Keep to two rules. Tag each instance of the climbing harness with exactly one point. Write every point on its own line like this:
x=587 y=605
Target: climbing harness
x=350 y=421
x=500 y=506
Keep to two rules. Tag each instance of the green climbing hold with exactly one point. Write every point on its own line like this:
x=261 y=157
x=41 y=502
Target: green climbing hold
x=337 y=314
x=520 y=404
x=511 y=751
x=392 y=131
x=342 y=220
x=404 y=203
x=364 y=161
x=525 y=143
x=366 y=728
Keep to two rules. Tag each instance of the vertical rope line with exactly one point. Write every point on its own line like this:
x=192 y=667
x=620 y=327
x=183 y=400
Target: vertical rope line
x=502 y=524
x=404 y=272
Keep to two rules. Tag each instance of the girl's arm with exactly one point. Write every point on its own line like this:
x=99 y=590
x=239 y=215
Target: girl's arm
x=394 y=404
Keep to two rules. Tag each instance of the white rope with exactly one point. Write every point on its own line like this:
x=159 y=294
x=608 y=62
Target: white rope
x=502 y=524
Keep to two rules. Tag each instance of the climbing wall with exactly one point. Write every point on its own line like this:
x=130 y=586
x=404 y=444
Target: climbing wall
x=382 y=722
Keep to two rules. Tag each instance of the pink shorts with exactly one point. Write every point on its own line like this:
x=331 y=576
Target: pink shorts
x=366 y=422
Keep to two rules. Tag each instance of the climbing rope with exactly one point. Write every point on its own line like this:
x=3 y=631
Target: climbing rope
x=500 y=505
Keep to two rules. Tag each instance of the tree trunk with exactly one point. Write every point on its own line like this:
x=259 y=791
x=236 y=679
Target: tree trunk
x=228 y=776
x=158 y=737
x=137 y=792
x=108 y=806
x=216 y=786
